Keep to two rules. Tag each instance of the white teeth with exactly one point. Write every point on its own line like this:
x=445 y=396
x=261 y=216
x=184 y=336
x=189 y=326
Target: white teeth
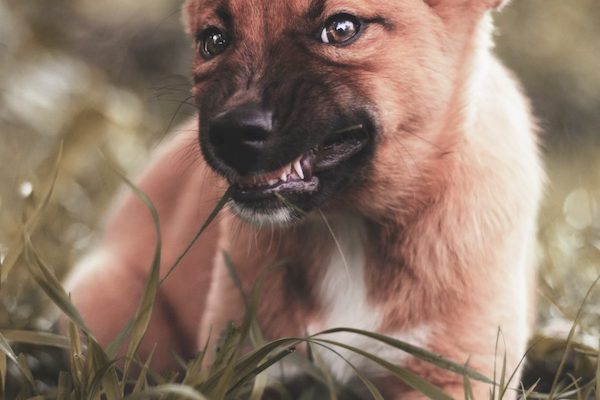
x=298 y=169
x=285 y=173
x=270 y=179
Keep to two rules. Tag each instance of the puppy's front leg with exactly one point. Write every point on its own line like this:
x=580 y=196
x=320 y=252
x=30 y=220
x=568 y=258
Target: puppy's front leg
x=106 y=291
x=106 y=287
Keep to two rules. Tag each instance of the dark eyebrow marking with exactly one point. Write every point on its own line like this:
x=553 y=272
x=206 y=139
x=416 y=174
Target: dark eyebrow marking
x=316 y=9
x=224 y=14
x=387 y=25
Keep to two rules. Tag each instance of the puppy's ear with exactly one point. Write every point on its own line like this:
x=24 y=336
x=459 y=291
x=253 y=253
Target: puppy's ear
x=495 y=4
x=186 y=13
x=485 y=4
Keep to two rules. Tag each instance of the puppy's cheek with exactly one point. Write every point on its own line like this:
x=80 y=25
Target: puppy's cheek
x=369 y=196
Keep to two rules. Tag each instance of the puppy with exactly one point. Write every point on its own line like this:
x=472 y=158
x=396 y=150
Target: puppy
x=375 y=147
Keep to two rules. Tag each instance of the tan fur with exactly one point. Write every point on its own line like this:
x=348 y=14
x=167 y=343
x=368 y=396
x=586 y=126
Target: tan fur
x=448 y=210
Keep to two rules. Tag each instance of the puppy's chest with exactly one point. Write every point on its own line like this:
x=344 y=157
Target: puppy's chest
x=343 y=297
x=342 y=292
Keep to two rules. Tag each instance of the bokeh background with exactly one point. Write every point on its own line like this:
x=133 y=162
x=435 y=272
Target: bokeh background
x=113 y=75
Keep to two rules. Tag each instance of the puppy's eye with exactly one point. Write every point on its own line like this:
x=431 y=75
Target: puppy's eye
x=340 y=29
x=212 y=42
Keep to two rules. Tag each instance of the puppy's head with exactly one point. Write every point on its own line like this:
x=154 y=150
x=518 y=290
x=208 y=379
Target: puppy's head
x=318 y=103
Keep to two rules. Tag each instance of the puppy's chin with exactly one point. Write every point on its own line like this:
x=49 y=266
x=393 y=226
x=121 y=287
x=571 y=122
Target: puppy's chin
x=282 y=216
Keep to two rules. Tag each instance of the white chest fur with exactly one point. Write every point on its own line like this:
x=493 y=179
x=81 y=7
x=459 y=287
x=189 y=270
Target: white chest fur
x=343 y=296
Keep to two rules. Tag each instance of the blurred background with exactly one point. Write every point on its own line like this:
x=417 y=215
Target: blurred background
x=114 y=74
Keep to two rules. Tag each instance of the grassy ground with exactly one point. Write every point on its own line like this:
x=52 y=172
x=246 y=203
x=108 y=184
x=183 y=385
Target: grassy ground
x=113 y=75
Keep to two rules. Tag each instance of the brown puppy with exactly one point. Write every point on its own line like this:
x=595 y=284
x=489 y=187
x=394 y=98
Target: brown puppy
x=379 y=148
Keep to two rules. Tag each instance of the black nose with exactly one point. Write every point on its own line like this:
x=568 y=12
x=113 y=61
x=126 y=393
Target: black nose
x=238 y=136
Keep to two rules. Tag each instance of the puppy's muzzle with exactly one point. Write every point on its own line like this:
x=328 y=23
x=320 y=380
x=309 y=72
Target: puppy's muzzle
x=238 y=137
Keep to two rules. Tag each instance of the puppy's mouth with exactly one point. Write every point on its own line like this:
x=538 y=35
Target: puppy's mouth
x=301 y=176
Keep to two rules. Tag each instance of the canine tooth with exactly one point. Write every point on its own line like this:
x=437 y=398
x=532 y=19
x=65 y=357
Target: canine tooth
x=271 y=182
x=284 y=176
x=298 y=169
x=306 y=167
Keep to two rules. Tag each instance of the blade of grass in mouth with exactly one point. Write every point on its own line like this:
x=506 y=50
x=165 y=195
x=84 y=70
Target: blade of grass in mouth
x=226 y=197
x=349 y=129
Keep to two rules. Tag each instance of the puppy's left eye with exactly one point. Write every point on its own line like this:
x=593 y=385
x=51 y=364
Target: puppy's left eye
x=340 y=29
x=212 y=42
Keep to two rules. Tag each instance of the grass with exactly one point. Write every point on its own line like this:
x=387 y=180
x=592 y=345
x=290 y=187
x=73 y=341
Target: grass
x=33 y=363
x=41 y=39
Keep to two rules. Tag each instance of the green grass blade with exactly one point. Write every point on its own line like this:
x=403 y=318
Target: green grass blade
x=213 y=215
x=141 y=381
x=503 y=387
x=195 y=373
x=235 y=277
x=105 y=375
x=569 y=340
x=136 y=330
x=468 y=388
x=527 y=393
x=64 y=386
x=45 y=278
x=8 y=352
x=180 y=392
x=24 y=369
x=517 y=369
x=36 y=338
x=328 y=379
x=494 y=388
x=225 y=365
x=349 y=129
x=249 y=362
x=411 y=379
x=499 y=387
x=113 y=347
x=31 y=224
x=3 y=371
x=415 y=351
x=260 y=386
x=375 y=393
x=75 y=359
x=249 y=328
x=598 y=374
x=253 y=299
x=229 y=348
x=261 y=368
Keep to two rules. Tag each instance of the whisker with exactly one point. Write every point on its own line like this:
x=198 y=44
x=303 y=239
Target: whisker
x=337 y=243
x=176 y=113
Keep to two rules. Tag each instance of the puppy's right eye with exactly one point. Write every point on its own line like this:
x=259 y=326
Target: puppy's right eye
x=212 y=42
x=340 y=29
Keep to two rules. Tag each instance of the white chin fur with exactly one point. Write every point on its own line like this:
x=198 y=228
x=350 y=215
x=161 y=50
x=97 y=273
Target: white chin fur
x=280 y=216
